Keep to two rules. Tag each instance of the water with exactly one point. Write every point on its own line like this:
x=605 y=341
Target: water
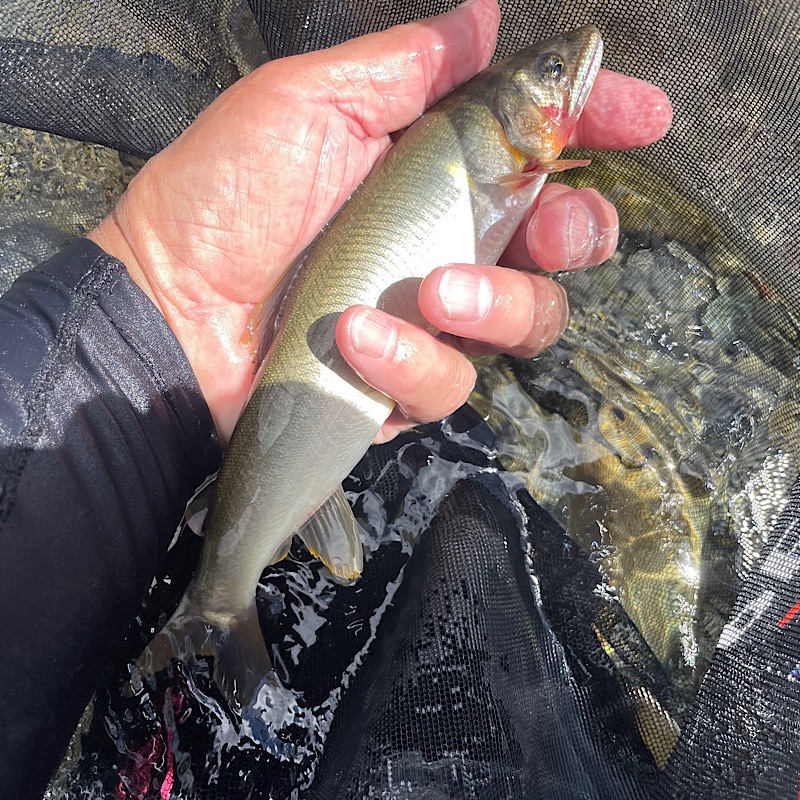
x=661 y=431
x=176 y=736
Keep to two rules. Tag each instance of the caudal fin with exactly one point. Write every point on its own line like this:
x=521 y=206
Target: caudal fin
x=241 y=662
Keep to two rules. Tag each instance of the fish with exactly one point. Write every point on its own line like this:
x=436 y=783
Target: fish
x=453 y=188
x=661 y=430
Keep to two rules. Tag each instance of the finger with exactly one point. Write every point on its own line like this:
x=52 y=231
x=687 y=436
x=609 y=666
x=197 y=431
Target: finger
x=567 y=229
x=427 y=378
x=513 y=312
x=397 y=422
x=622 y=113
x=382 y=82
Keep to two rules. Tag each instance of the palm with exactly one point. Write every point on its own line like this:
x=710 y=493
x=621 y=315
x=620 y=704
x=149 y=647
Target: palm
x=210 y=224
x=241 y=218
x=230 y=223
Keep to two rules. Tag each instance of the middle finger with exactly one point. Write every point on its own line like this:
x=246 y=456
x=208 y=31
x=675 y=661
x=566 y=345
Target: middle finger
x=500 y=309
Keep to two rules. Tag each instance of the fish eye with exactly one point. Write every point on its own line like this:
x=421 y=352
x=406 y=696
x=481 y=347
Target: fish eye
x=551 y=65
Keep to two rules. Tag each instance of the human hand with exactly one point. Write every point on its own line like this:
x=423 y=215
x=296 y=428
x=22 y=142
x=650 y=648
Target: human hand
x=212 y=222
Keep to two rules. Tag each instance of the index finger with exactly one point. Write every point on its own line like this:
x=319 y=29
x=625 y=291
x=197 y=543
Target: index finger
x=622 y=113
x=384 y=81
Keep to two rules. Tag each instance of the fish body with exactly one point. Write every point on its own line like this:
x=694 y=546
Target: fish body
x=454 y=188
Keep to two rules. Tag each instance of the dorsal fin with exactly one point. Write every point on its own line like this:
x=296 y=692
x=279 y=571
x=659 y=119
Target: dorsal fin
x=197 y=508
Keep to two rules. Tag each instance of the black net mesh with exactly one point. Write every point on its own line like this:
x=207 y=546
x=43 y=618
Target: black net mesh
x=594 y=596
x=131 y=75
x=471 y=667
x=121 y=78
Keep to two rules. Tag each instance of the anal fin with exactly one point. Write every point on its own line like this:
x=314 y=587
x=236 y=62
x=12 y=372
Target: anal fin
x=283 y=551
x=331 y=535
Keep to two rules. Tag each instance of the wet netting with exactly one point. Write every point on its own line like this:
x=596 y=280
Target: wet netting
x=585 y=586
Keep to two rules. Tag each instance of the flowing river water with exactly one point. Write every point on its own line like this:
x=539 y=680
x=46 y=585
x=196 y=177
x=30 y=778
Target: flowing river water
x=662 y=430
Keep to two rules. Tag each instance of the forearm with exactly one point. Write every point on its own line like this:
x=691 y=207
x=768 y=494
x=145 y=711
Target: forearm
x=103 y=436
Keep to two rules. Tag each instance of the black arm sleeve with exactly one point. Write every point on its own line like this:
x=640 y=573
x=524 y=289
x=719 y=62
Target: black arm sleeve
x=104 y=435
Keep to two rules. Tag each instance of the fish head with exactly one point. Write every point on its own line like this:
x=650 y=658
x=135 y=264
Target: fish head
x=542 y=89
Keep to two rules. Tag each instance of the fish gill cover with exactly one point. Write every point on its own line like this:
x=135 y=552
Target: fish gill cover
x=592 y=594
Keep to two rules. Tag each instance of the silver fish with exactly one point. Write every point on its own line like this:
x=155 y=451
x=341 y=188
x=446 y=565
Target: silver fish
x=454 y=188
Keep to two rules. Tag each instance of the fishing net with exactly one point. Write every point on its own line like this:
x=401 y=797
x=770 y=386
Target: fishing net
x=587 y=588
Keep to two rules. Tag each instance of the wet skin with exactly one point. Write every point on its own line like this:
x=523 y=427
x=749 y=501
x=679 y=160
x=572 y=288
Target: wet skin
x=210 y=224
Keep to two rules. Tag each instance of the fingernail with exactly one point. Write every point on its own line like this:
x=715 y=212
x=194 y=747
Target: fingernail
x=372 y=334
x=581 y=232
x=466 y=295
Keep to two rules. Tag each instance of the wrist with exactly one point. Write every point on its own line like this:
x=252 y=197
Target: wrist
x=223 y=375
x=110 y=237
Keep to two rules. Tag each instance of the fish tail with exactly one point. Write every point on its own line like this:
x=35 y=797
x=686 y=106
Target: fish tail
x=236 y=643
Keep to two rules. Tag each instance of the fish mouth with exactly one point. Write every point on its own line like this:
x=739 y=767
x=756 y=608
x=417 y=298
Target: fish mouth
x=588 y=44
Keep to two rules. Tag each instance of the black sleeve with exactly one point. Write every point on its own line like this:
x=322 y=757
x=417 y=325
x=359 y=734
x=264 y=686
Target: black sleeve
x=104 y=435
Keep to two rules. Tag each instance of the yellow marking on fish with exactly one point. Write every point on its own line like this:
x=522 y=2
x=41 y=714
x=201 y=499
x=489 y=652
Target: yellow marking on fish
x=459 y=173
x=608 y=648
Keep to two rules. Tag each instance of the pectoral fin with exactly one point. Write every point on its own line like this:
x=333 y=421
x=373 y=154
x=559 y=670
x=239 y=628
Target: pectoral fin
x=332 y=536
x=543 y=168
x=561 y=165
